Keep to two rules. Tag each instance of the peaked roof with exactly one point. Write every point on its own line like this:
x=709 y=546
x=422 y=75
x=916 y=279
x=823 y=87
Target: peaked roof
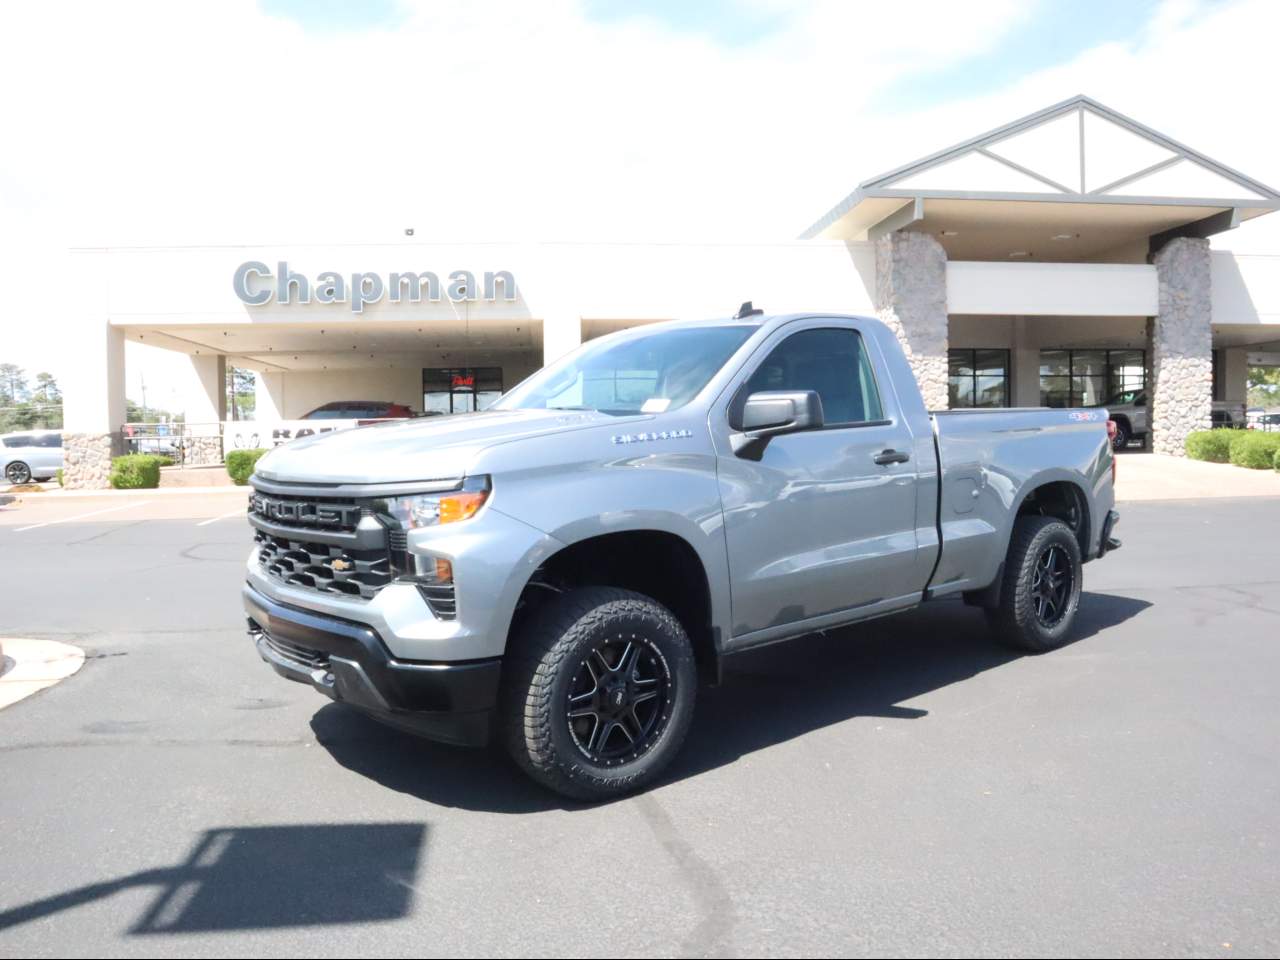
x=1076 y=151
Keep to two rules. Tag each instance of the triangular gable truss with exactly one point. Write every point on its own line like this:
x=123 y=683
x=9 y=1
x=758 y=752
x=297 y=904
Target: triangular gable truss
x=1076 y=151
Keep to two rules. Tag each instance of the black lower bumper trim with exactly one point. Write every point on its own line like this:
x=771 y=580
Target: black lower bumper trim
x=348 y=662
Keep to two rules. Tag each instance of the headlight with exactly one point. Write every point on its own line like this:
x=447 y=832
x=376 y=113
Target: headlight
x=433 y=509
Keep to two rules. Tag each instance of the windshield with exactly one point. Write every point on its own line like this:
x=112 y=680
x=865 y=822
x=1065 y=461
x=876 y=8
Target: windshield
x=646 y=373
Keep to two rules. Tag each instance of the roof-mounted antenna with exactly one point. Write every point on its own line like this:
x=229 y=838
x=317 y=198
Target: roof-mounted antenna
x=747 y=310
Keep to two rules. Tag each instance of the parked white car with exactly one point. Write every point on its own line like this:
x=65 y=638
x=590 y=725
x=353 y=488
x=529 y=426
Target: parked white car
x=31 y=455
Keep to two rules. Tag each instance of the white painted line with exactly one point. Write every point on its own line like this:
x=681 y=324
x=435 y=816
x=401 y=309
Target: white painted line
x=233 y=513
x=83 y=516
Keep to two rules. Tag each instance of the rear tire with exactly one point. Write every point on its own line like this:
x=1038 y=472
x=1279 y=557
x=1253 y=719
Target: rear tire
x=17 y=472
x=1040 y=594
x=1122 y=437
x=598 y=693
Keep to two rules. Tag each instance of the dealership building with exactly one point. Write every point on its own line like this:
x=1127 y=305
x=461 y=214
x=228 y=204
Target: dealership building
x=1057 y=260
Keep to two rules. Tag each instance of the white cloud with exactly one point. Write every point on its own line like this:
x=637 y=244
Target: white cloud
x=189 y=123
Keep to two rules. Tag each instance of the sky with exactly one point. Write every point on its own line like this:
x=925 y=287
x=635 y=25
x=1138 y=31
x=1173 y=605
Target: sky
x=251 y=121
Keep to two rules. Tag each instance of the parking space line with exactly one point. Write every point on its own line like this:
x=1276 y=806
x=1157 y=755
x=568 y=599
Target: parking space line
x=83 y=516
x=233 y=513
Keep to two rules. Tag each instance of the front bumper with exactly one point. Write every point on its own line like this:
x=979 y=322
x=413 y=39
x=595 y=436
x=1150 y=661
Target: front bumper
x=346 y=661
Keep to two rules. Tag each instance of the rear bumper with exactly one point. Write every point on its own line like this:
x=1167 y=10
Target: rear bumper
x=348 y=662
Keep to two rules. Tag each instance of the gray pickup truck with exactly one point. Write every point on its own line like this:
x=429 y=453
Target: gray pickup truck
x=564 y=569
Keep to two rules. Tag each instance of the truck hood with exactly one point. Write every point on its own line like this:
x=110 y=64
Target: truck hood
x=428 y=448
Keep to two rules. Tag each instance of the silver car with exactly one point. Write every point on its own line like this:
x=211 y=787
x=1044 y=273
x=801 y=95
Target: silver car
x=31 y=455
x=1128 y=411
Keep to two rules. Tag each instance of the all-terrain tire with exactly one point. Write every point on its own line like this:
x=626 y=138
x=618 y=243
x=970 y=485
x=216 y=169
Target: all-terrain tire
x=545 y=661
x=1020 y=619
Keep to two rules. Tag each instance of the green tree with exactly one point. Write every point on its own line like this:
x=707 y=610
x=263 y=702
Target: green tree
x=13 y=384
x=1264 y=387
x=241 y=386
x=46 y=389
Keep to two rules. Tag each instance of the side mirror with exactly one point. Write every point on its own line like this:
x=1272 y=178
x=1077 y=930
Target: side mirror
x=772 y=413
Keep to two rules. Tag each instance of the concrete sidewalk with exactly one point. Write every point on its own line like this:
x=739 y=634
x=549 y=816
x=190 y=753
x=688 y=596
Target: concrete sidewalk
x=1153 y=476
x=29 y=666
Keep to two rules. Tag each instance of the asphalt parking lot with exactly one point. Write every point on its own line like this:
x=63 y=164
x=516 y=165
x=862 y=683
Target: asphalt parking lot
x=905 y=788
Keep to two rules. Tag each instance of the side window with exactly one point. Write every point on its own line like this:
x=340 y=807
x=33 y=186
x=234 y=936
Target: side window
x=833 y=362
x=19 y=441
x=50 y=440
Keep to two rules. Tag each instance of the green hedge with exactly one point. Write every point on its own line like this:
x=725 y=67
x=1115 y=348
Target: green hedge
x=1255 y=450
x=61 y=481
x=1276 y=461
x=1211 y=445
x=137 y=471
x=240 y=464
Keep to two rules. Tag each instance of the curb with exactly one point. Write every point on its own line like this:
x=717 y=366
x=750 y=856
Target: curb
x=36 y=665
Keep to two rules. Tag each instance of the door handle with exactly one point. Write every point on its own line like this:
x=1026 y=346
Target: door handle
x=886 y=457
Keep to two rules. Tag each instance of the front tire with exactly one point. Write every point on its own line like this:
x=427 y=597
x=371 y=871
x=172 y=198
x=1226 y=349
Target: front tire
x=17 y=473
x=1040 y=594
x=598 y=693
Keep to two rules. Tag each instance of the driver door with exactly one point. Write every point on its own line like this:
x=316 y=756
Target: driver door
x=822 y=527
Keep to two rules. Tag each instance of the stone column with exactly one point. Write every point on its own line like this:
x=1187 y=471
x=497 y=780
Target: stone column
x=205 y=407
x=93 y=405
x=1181 y=388
x=911 y=297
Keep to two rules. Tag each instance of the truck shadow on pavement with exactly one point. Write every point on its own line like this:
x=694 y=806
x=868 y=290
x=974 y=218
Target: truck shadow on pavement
x=244 y=878
x=769 y=696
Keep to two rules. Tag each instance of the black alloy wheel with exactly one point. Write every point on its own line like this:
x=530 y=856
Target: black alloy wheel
x=1051 y=585
x=619 y=700
x=17 y=473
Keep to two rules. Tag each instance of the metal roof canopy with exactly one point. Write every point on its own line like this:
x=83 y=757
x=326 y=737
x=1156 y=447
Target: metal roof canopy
x=1075 y=179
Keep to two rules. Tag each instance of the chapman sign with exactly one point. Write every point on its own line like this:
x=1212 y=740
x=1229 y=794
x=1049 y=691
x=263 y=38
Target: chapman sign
x=256 y=284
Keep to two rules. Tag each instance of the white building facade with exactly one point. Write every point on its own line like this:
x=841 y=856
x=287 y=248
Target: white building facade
x=1058 y=260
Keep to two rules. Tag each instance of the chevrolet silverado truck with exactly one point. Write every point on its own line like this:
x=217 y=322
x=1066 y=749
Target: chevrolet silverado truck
x=561 y=571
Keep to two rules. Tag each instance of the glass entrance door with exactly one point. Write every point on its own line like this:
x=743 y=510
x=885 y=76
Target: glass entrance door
x=460 y=389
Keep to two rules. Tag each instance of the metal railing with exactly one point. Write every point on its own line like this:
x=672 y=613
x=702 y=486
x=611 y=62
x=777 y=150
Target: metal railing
x=186 y=444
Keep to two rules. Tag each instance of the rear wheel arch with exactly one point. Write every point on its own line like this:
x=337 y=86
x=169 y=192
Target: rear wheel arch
x=1063 y=499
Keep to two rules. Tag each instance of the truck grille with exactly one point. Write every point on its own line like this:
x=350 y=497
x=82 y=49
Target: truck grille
x=320 y=543
x=306 y=512
x=326 y=567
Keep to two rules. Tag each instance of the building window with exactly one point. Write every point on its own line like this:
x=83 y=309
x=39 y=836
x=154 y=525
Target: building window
x=978 y=378
x=460 y=389
x=1089 y=378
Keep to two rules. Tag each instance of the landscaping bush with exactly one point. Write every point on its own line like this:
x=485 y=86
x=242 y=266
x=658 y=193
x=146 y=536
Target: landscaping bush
x=1211 y=445
x=240 y=464
x=61 y=482
x=136 y=471
x=165 y=460
x=1255 y=450
x=1276 y=461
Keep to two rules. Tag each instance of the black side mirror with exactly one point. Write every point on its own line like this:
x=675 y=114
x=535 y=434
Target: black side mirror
x=772 y=413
